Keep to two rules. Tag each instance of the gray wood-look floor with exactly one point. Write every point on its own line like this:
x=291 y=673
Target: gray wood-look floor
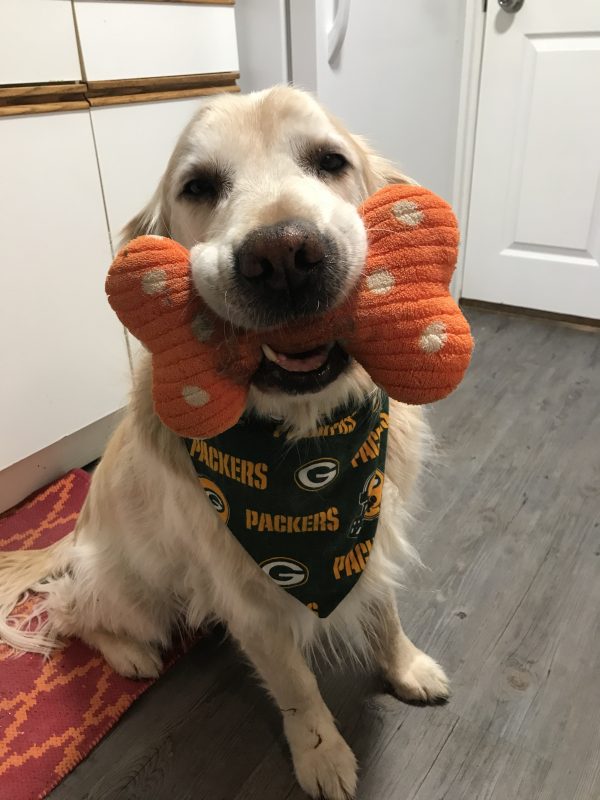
x=509 y=603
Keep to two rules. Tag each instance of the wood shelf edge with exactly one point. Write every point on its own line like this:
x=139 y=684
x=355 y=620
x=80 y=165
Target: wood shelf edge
x=43 y=108
x=160 y=83
x=149 y=97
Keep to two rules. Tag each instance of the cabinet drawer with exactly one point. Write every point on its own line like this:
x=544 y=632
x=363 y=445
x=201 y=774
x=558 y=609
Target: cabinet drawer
x=37 y=42
x=133 y=40
x=63 y=356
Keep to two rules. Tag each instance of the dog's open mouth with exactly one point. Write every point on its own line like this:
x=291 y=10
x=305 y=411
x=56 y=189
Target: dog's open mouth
x=300 y=373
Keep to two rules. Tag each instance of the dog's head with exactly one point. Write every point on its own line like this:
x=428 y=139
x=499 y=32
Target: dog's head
x=264 y=189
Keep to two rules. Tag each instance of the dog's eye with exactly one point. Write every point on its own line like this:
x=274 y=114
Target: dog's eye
x=206 y=185
x=204 y=188
x=332 y=162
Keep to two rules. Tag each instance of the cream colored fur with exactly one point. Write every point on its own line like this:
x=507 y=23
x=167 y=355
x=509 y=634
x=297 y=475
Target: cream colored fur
x=150 y=555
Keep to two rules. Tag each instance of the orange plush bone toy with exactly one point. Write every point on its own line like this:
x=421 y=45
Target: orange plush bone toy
x=400 y=322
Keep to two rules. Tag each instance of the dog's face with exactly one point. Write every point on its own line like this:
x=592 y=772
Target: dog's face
x=264 y=189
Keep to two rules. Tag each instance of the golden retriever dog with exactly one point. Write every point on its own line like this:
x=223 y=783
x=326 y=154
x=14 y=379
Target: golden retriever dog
x=264 y=189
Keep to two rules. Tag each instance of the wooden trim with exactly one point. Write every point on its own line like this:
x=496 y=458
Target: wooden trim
x=149 y=97
x=160 y=84
x=41 y=90
x=42 y=108
x=51 y=97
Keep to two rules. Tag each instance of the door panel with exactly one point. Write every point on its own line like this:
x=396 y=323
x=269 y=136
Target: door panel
x=131 y=164
x=534 y=225
x=63 y=356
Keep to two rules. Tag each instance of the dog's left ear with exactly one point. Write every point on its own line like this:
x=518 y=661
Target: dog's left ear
x=378 y=171
x=150 y=220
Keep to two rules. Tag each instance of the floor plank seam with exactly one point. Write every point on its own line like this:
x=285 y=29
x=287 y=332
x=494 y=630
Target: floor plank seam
x=438 y=754
x=521 y=601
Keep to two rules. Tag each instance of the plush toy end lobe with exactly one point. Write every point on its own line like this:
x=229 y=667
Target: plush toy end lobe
x=413 y=338
x=148 y=280
x=149 y=286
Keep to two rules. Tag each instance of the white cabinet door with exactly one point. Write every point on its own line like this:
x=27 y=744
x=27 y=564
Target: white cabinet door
x=134 y=145
x=133 y=40
x=37 y=42
x=63 y=358
x=132 y=165
x=534 y=227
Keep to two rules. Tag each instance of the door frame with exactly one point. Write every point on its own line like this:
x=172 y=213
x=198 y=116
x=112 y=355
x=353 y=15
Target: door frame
x=468 y=106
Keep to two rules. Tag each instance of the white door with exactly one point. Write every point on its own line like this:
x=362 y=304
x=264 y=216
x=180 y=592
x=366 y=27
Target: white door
x=533 y=238
x=63 y=357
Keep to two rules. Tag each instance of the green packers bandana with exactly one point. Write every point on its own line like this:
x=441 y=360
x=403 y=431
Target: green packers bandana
x=306 y=510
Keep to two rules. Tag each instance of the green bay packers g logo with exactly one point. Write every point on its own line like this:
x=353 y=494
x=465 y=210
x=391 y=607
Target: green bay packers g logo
x=216 y=497
x=317 y=474
x=285 y=571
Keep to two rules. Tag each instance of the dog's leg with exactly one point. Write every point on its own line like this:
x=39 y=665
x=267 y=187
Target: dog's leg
x=412 y=675
x=324 y=764
x=126 y=633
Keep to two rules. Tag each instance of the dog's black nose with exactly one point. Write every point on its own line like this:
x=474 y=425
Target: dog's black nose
x=283 y=260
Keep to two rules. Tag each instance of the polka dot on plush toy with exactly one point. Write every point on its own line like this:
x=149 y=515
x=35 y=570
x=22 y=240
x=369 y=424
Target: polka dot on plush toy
x=380 y=282
x=433 y=338
x=202 y=327
x=195 y=396
x=154 y=281
x=408 y=213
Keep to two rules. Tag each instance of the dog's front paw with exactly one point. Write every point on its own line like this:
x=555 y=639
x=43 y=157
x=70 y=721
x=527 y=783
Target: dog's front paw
x=421 y=681
x=129 y=658
x=327 y=770
x=324 y=764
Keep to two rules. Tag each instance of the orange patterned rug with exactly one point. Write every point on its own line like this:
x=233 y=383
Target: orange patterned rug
x=52 y=712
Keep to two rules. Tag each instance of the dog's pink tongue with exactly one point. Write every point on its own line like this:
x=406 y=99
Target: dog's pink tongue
x=299 y=363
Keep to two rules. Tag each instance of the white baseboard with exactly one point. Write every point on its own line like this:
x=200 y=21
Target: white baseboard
x=38 y=469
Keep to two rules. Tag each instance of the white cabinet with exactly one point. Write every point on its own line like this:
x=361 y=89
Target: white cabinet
x=130 y=40
x=132 y=164
x=63 y=358
x=38 y=42
x=73 y=170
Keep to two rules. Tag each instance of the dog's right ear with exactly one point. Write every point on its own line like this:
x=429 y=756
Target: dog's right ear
x=150 y=220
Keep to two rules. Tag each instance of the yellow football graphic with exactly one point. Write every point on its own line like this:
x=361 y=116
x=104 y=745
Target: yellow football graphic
x=373 y=490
